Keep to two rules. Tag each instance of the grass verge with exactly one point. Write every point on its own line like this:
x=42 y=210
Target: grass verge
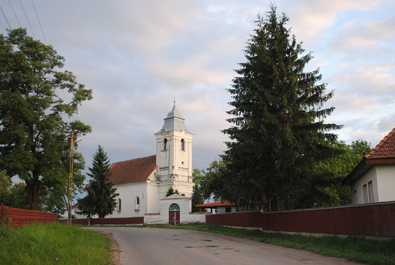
x=356 y=249
x=53 y=244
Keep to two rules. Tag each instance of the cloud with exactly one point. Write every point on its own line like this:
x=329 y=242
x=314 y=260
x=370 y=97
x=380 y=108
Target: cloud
x=138 y=56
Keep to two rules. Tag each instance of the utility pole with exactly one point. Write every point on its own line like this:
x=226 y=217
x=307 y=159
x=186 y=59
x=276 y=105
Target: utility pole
x=70 y=182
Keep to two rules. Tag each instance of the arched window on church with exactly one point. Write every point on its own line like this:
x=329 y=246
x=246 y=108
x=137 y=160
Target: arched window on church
x=137 y=205
x=119 y=204
x=165 y=144
x=182 y=145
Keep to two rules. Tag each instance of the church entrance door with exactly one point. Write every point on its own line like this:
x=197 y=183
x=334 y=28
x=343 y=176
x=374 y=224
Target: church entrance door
x=174 y=214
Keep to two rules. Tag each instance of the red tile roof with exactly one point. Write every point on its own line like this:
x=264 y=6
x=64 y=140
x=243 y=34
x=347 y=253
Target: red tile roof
x=215 y=204
x=383 y=153
x=134 y=170
x=385 y=149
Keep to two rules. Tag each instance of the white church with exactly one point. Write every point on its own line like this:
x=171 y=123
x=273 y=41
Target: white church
x=142 y=183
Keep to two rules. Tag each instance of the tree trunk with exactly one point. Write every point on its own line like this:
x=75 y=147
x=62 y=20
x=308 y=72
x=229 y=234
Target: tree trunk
x=32 y=195
x=32 y=190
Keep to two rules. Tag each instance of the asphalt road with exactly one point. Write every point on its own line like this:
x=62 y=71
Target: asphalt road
x=153 y=246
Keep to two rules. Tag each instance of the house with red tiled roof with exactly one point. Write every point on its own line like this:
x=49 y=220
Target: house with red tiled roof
x=373 y=179
x=218 y=207
x=143 y=182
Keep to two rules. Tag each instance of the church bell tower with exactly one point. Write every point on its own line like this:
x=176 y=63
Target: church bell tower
x=174 y=155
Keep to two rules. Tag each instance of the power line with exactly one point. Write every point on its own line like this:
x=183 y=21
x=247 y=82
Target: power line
x=39 y=22
x=30 y=26
x=15 y=14
x=5 y=18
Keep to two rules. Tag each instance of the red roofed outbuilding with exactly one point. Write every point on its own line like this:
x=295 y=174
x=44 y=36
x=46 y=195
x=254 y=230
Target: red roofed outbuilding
x=218 y=207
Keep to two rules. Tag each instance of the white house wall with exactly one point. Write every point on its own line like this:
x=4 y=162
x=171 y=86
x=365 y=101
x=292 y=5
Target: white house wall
x=386 y=183
x=357 y=186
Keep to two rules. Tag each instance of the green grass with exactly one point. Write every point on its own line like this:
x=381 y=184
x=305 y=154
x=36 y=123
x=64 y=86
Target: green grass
x=356 y=249
x=53 y=244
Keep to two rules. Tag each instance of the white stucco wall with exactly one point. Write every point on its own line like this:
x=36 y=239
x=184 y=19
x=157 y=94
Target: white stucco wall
x=386 y=183
x=357 y=186
x=383 y=181
x=185 y=211
x=223 y=209
x=128 y=194
x=152 y=197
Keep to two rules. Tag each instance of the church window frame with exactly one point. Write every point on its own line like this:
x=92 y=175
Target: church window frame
x=165 y=144
x=119 y=205
x=182 y=145
x=137 y=204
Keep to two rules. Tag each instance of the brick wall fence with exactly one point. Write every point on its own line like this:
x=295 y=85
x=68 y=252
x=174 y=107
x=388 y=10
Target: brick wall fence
x=376 y=219
x=19 y=217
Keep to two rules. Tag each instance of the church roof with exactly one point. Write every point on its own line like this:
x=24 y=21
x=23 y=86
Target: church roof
x=383 y=153
x=134 y=170
x=174 y=121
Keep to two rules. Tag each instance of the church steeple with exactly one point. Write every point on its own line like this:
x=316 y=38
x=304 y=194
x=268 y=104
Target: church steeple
x=174 y=154
x=174 y=121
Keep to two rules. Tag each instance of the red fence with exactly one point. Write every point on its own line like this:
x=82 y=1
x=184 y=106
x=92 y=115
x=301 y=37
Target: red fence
x=362 y=220
x=107 y=221
x=19 y=217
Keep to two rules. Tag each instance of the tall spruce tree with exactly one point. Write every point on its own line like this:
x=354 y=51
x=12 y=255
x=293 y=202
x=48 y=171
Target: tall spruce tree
x=278 y=133
x=36 y=96
x=100 y=198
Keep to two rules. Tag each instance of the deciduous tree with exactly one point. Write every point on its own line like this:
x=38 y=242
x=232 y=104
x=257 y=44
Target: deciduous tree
x=34 y=143
x=326 y=188
x=197 y=196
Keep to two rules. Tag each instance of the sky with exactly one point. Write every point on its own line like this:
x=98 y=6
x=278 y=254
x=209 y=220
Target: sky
x=139 y=57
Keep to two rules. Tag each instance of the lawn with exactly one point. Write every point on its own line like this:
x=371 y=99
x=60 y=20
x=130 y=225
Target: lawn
x=53 y=244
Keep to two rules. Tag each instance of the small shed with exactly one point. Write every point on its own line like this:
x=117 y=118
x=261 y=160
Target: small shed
x=218 y=207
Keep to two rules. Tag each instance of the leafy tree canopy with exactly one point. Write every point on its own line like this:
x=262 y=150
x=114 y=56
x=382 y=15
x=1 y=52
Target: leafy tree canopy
x=197 y=196
x=5 y=184
x=34 y=143
x=326 y=188
x=100 y=194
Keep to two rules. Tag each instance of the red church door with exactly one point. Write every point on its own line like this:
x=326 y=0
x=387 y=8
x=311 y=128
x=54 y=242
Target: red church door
x=174 y=214
x=174 y=218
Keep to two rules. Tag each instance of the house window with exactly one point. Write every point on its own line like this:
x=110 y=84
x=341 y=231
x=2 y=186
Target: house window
x=228 y=209
x=137 y=204
x=370 y=190
x=165 y=144
x=365 y=194
x=355 y=198
x=182 y=145
x=119 y=205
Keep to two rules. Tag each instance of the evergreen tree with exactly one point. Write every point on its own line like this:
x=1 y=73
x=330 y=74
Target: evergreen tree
x=34 y=143
x=278 y=133
x=171 y=191
x=100 y=198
